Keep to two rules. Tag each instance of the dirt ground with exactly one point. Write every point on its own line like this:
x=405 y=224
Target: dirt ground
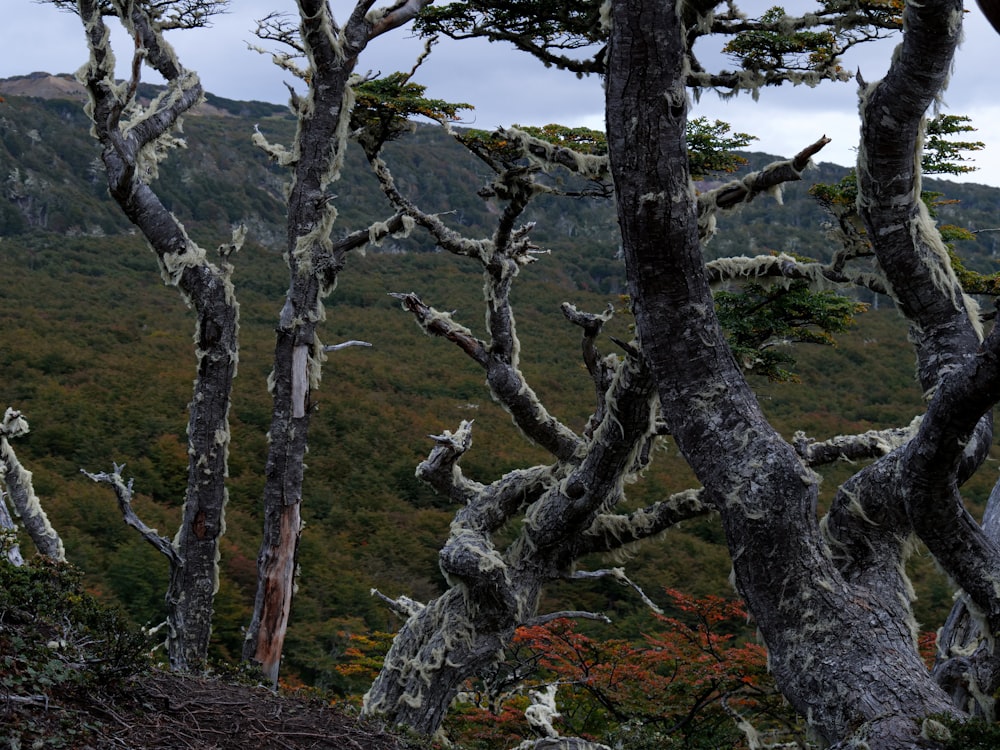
x=162 y=711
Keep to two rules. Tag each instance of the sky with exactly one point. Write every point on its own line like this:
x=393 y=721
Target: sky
x=507 y=87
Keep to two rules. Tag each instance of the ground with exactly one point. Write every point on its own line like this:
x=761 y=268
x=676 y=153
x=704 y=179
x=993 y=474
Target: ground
x=163 y=711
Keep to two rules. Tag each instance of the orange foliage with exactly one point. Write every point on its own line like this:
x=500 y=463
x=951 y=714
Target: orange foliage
x=690 y=679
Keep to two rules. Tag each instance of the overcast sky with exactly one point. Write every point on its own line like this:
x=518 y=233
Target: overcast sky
x=508 y=87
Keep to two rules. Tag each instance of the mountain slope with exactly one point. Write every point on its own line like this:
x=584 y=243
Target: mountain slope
x=97 y=354
x=52 y=181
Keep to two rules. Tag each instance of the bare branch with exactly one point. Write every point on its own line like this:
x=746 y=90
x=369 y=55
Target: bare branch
x=345 y=345
x=571 y=614
x=440 y=469
x=505 y=379
x=403 y=605
x=442 y=324
x=447 y=238
x=619 y=575
x=610 y=532
x=123 y=493
x=767 y=180
x=868 y=445
x=787 y=267
x=393 y=16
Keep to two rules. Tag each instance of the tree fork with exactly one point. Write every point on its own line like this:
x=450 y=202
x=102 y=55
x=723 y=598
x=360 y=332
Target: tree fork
x=837 y=654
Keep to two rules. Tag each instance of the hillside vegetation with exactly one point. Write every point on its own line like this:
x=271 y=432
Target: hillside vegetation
x=97 y=354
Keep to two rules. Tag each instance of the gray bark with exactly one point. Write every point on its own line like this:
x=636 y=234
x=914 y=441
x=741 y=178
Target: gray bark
x=838 y=631
x=314 y=262
x=132 y=140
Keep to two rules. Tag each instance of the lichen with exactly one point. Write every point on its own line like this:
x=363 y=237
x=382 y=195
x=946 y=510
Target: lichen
x=18 y=481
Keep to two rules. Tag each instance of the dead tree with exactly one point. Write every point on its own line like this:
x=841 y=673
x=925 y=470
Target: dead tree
x=331 y=52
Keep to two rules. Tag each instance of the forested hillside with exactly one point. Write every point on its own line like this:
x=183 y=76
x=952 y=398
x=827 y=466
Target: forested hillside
x=97 y=354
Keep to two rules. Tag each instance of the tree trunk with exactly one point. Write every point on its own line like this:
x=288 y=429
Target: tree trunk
x=314 y=263
x=21 y=492
x=436 y=651
x=126 y=152
x=839 y=652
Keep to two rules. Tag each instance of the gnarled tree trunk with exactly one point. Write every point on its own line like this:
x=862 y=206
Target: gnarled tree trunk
x=840 y=639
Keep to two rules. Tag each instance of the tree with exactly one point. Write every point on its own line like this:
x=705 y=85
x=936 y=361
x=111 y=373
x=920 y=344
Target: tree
x=830 y=597
x=314 y=260
x=134 y=138
x=831 y=601
x=570 y=508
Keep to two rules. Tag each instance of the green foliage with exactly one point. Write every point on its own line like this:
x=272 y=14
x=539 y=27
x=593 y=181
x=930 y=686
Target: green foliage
x=59 y=643
x=970 y=734
x=384 y=108
x=762 y=321
x=972 y=282
x=777 y=45
x=530 y=24
x=711 y=148
x=583 y=140
x=777 y=42
x=943 y=155
x=940 y=156
x=74 y=639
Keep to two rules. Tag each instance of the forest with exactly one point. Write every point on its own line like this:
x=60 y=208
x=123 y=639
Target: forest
x=97 y=356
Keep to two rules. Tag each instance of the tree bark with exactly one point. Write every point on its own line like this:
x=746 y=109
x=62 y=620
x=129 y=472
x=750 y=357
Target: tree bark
x=130 y=139
x=314 y=263
x=21 y=492
x=839 y=652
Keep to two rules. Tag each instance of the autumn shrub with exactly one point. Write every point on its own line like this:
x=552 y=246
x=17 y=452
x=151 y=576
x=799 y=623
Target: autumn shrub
x=689 y=683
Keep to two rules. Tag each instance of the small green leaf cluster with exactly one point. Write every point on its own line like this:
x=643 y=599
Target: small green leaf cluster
x=772 y=46
x=943 y=155
x=761 y=320
x=711 y=149
x=384 y=107
x=541 y=23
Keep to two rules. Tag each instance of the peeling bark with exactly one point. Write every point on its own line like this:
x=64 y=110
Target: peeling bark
x=314 y=262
